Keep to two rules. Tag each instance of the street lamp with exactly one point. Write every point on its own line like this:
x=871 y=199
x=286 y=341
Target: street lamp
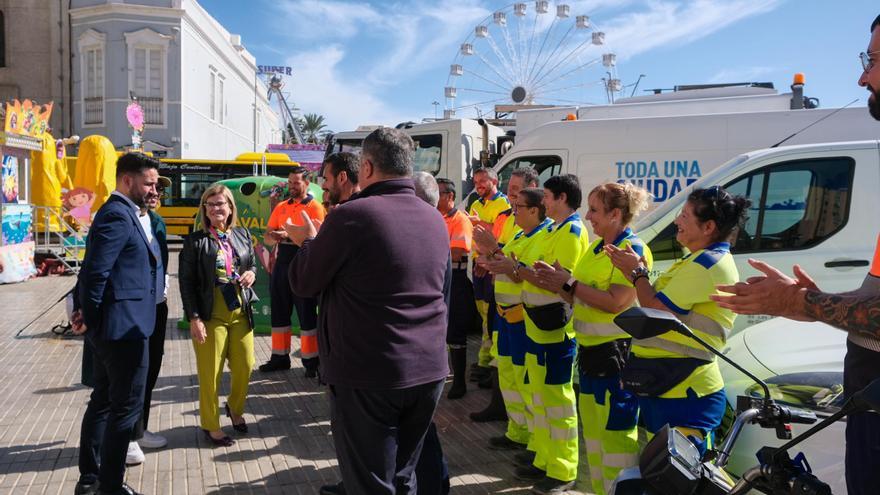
x=436 y=104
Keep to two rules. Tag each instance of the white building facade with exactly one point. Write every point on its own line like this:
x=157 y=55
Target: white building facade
x=197 y=84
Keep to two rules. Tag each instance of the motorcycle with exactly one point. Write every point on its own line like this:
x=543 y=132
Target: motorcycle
x=672 y=465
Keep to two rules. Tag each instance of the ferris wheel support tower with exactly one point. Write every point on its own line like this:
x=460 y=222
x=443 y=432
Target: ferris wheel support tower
x=290 y=122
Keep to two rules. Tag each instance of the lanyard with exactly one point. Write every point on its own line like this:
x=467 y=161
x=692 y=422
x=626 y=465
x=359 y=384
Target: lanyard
x=228 y=251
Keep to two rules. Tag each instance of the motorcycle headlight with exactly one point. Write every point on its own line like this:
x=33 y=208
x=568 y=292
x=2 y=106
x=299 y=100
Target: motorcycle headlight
x=821 y=392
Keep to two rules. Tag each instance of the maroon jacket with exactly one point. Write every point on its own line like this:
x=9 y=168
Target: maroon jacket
x=380 y=263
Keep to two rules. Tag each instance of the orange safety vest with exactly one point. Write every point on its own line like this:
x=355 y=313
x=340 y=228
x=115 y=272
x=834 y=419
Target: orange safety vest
x=875 y=266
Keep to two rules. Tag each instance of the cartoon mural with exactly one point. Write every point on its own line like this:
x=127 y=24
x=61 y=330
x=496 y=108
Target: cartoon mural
x=9 y=179
x=78 y=206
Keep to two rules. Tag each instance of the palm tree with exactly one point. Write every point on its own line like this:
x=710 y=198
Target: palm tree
x=312 y=126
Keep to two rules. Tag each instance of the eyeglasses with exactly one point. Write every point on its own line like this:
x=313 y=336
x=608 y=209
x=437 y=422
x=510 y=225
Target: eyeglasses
x=867 y=63
x=516 y=208
x=218 y=204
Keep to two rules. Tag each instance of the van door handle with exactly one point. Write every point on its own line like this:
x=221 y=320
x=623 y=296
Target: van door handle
x=846 y=263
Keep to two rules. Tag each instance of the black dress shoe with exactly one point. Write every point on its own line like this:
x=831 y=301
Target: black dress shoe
x=276 y=363
x=311 y=373
x=86 y=488
x=240 y=427
x=124 y=490
x=337 y=489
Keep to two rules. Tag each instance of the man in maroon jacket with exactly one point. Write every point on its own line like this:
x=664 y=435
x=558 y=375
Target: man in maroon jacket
x=381 y=261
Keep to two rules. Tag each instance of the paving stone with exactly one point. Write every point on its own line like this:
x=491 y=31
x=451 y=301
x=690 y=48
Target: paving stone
x=289 y=448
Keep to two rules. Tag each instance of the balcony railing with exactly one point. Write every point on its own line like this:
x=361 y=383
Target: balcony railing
x=94 y=110
x=153 y=109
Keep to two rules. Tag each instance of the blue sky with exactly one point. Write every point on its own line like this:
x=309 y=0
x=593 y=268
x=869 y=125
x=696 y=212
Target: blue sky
x=386 y=62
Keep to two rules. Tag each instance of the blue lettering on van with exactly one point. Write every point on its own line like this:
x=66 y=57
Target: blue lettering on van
x=662 y=179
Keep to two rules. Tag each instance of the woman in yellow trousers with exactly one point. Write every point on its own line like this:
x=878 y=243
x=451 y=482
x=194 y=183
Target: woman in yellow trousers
x=217 y=272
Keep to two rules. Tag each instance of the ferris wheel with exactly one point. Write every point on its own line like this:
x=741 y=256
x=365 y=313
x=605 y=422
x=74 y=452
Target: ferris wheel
x=530 y=55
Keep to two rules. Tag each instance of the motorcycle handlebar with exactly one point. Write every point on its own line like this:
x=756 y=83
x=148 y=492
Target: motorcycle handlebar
x=794 y=415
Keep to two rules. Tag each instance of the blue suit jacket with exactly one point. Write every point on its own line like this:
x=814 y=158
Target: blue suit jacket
x=117 y=281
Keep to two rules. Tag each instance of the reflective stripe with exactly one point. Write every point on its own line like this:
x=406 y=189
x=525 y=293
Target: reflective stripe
x=504 y=279
x=517 y=417
x=597 y=329
x=537 y=400
x=595 y=473
x=540 y=422
x=535 y=299
x=563 y=433
x=508 y=299
x=281 y=329
x=512 y=397
x=681 y=349
x=703 y=323
x=561 y=412
x=620 y=460
x=592 y=445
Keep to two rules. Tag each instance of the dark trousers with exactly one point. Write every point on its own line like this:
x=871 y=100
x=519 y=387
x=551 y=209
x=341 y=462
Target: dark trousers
x=120 y=373
x=283 y=300
x=463 y=315
x=861 y=367
x=432 y=472
x=379 y=434
x=157 y=351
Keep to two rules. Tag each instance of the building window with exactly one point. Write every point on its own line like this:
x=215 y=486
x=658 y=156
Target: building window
x=212 y=96
x=221 y=104
x=147 y=63
x=91 y=61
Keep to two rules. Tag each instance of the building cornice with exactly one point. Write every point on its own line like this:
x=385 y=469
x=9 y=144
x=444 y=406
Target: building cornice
x=126 y=9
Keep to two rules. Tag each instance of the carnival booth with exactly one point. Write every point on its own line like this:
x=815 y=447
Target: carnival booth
x=24 y=125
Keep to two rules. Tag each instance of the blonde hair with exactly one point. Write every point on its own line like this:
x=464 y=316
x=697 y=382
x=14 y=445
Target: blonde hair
x=628 y=198
x=218 y=189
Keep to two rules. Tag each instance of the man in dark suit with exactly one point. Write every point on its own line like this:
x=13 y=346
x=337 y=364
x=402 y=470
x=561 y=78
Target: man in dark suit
x=121 y=277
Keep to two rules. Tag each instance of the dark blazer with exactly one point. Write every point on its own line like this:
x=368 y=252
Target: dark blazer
x=381 y=265
x=117 y=282
x=197 y=272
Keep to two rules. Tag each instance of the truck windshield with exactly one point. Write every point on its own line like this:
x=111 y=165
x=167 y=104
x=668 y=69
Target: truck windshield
x=428 y=150
x=349 y=145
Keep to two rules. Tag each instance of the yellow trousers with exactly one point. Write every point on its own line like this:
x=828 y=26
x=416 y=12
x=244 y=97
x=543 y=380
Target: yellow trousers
x=229 y=337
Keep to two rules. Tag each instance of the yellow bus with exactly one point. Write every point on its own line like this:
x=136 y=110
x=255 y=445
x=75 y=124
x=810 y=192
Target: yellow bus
x=190 y=178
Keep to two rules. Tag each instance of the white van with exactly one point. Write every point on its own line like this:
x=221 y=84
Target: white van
x=665 y=154
x=815 y=205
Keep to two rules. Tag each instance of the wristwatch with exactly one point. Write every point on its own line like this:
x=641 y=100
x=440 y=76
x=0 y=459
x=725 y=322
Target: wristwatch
x=639 y=272
x=570 y=285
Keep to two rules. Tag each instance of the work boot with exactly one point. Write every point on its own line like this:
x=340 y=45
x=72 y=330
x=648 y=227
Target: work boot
x=501 y=442
x=458 y=357
x=526 y=458
x=478 y=372
x=486 y=381
x=552 y=486
x=529 y=473
x=277 y=362
x=495 y=411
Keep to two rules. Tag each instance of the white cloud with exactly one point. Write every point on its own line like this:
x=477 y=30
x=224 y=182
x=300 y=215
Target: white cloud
x=311 y=19
x=668 y=24
x=345 y=102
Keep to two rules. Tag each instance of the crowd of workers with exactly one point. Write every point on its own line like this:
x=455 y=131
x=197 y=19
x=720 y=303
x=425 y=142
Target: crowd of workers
x=395 y=295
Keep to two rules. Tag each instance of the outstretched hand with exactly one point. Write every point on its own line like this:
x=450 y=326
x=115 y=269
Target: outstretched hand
x=299 y=233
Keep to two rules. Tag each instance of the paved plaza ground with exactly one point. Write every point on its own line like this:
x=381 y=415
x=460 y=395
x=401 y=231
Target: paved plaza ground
x=289 y=448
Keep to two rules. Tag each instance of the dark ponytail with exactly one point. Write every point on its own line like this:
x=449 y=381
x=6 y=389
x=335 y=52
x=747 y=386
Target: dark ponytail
x=729 y=212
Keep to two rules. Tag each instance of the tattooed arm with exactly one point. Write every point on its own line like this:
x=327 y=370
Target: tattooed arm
x=777 y=294
x=856 y=312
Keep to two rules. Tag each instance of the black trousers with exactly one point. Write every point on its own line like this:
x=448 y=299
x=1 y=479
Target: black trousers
x=283 y=300
x=463 y=315
x=861 y=367
x=379 y=434
x=120 y=374
x=157 y=351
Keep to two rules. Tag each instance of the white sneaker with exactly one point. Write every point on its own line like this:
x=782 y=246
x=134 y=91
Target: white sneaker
x=135 y=455
x=152 y=441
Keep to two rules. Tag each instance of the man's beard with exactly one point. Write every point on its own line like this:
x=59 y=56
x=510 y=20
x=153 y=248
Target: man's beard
x=874 y=103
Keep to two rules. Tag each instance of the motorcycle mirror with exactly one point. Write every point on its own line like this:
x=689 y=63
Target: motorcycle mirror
x=869 y=397
x=644 y=323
